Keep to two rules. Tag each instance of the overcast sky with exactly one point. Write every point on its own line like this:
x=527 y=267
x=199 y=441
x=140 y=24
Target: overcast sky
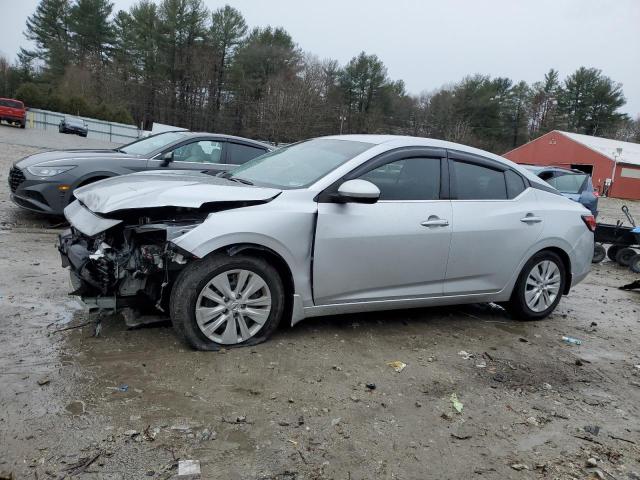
x=429 y=43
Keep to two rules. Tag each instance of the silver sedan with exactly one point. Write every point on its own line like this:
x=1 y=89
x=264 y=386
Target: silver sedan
x=326 y=226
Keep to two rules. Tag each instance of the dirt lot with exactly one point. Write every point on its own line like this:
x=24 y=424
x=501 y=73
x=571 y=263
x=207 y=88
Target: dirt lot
x=132 y=403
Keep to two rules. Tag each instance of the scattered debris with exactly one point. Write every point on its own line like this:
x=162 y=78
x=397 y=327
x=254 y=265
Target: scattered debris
x=519 y=466
x=592 y=462
x=418 y=405
x=44 y=381
x=499 y=377
x=397 y=365
x=76 y=407
x=457 y=404
x=523 y=340
x=547 y=386
x=371 y=386
x=481 y=364
x=571 y=340
x=188 y=467
x=592 y=429
x=465 y=355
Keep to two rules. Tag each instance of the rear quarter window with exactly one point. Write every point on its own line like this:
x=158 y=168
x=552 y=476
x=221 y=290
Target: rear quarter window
x=515 y=184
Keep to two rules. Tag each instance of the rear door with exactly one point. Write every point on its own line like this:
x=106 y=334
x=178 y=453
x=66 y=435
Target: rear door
x=496 y=220
x=396 y=248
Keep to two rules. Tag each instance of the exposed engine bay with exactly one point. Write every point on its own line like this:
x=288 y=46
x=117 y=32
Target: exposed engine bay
x=132 y=263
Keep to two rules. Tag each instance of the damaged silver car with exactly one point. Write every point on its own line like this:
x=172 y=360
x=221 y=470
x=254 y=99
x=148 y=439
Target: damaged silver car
x=331 y=225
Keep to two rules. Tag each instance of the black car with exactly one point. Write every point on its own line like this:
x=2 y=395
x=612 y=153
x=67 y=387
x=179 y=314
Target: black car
x=73 y=125
x=44 y=182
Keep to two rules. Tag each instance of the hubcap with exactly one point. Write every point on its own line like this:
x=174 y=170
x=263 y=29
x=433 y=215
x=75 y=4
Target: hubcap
x=543 y=286
x=233 y=306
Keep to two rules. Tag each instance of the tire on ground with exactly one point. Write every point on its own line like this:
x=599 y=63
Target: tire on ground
x=612 y=251
x=624 y=256
x=599 y=253
x=517 y=305
x=193 y=279
x=635 y=263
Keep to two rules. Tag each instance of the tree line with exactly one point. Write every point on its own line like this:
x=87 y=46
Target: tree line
x=177 y=62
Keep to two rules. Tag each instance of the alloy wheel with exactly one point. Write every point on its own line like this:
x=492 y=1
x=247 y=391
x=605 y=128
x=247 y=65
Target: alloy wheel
x=233 y=306
x=542 y=286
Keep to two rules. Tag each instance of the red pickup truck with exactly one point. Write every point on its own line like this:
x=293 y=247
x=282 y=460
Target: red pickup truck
x=13 y=111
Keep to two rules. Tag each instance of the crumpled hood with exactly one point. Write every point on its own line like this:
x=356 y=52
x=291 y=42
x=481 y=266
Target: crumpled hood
x=177 y=188
x=70 y=157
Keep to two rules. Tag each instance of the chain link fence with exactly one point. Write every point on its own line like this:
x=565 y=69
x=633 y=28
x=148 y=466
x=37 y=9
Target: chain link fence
x=98 y=129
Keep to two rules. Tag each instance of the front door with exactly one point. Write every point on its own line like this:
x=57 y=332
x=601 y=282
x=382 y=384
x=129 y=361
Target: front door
x=396 y=248
x=197 y=155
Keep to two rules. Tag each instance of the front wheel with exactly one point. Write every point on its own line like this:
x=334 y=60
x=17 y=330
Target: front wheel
x=539 y=287
x=227 y=301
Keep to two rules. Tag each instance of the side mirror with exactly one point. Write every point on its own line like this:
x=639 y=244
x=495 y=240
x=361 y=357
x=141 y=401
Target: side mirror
x=167 y=158
x=358 y=191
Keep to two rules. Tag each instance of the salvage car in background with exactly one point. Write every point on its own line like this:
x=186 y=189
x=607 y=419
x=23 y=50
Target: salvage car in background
x=331 y=225
x=573 y=184
x=44 y=182
x=73 y=125
x=13 y=111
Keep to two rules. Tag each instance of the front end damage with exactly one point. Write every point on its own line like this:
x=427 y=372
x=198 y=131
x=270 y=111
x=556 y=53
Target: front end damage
x=131 y=264
x=120 y=249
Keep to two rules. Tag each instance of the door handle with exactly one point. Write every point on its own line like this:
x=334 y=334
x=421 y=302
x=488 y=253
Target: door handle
x=434 y=221
x=530 y=218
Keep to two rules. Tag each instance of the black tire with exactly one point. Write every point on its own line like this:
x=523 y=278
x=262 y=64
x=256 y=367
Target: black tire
x=23 y=125
x=612 y=251
x=517 y=305
x=624 y=256
x=599 y=253
x=197 y=275
x=635 y=263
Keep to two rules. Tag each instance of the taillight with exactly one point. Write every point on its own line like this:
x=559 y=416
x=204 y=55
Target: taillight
x=596 y=193
x=590 y=222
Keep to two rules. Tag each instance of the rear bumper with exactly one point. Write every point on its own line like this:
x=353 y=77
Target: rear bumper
x=581 y=257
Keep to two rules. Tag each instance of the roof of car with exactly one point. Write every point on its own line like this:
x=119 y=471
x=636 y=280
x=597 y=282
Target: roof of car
x=542 y=168
x=408 y=141
x=226 y=137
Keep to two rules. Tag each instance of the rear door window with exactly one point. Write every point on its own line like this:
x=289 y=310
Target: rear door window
x=238 y=154
x=477 y=182
x=11 y=104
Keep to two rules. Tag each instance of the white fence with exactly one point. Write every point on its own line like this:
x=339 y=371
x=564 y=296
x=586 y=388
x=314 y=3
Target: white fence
x=98 y=129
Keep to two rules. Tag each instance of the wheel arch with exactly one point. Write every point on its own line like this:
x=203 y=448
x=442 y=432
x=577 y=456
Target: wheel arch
x=272 y=257
x=566 y=261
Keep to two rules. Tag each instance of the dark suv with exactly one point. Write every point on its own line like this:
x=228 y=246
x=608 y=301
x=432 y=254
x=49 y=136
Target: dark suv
x=573 y=184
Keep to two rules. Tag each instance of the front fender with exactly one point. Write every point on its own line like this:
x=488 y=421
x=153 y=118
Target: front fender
x=287 y=232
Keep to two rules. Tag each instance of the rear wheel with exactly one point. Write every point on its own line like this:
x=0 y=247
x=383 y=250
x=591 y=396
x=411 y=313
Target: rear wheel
x=539 y=287
x=599 y=253
x=612 y=252
x=222 y=301
x=635 y=263
x=624 y=256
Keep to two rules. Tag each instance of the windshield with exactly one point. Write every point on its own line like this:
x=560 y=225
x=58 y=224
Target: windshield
x=74 y=121
x=299 y=165
x=568 y=183
x=11 y=103
x=151 y=144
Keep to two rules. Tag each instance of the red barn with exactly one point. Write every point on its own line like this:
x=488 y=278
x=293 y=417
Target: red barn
x=603 y=158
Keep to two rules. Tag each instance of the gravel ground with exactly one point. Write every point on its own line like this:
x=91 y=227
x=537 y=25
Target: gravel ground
x=133 y=403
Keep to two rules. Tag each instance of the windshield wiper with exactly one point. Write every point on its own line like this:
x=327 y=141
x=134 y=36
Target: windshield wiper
x=239 y=180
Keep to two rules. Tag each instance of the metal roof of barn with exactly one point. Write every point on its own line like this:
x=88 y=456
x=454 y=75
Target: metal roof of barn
x=630 y=153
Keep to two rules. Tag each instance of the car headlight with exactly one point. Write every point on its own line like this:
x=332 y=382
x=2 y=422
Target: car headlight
x=49 y=171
